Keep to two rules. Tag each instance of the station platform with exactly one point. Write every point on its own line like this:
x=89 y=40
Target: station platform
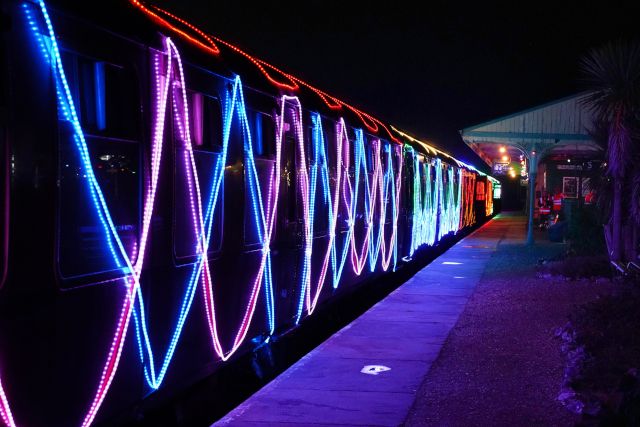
x=368 y=373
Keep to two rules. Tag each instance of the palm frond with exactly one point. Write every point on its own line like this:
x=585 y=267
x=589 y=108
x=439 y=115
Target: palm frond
x=611 y=73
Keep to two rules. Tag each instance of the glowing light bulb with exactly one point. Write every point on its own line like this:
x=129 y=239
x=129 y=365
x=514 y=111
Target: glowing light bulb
x=502 y=150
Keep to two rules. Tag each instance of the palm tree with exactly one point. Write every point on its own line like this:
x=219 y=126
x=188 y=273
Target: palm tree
x=599 y=181
x=612 y=73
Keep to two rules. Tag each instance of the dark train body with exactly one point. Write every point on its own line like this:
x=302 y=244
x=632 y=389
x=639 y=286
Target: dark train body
x=169 y=201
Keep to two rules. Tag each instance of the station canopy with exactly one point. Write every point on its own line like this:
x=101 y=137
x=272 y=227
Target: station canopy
x=558 y=130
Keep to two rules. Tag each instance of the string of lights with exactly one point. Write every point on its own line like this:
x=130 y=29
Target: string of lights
x=469 y=213
x=489 y=198
x=365 y=194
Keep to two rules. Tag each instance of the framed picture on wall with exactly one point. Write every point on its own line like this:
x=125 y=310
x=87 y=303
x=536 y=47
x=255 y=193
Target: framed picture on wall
x=570 y=186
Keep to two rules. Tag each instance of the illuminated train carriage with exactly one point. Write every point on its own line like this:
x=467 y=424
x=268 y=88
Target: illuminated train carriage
x=170 y=201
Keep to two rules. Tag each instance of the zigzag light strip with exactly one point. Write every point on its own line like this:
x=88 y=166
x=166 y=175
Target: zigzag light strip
x=133 y=287
x=320 y=160
x=382 y=185
x=450 y=215
x=375 y=245
x=425 y=205
x=358 y=258
x=180 y=112
x=69 y=114
x=203 y=225
x=338 y=261
x=391 y=183
x=117 y=344
x=265 y=221
x=303 y=184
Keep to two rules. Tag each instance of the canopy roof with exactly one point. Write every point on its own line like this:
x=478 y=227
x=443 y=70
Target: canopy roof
x=558 y=128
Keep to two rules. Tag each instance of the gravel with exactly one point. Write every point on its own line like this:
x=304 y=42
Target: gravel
x=501 y=364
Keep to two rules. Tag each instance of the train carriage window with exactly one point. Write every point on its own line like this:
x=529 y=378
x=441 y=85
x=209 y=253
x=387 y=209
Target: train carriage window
x=427 y=180
x=261 y=113
x=322 y=193
x=330 y=146
x=103 y=95
x=350 y=172
x=205 y=123
x=291 y=163
x=205 y=115
x=263 y=134
x=106 y=96
x=370 y=151
x=252 y=215
x=480 y=192
x=184 y=231
x=408 y=177
x=497 y=191
x=386 y=147
x=263 y=138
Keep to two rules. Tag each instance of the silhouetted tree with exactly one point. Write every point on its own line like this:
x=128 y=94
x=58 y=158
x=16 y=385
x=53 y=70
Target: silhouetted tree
x=599 y=181
x=612 y=73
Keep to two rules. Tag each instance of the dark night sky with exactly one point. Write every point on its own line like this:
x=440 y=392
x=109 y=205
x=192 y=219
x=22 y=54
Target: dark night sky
x=430 y=72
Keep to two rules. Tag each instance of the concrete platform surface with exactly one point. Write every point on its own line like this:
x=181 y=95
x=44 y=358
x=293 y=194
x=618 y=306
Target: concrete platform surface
x=368 y=373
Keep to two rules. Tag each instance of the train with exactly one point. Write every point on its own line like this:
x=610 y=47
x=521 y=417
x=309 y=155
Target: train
x=170 y=201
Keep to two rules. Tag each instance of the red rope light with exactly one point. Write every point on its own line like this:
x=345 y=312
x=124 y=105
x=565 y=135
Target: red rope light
x=209 y=46
x=258 y=63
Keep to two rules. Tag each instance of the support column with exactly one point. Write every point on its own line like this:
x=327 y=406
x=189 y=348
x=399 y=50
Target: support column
x=533 y=172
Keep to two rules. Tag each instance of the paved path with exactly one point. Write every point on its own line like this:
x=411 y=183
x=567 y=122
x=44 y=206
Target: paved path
x=404 y=333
